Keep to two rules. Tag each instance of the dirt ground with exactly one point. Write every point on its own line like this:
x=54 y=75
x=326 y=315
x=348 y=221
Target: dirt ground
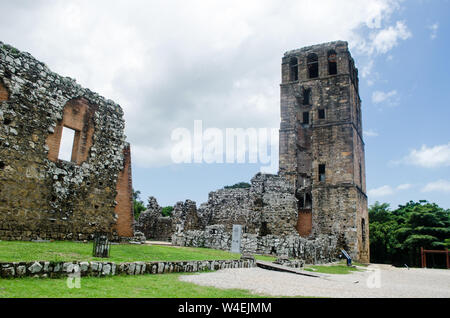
x=379 y=281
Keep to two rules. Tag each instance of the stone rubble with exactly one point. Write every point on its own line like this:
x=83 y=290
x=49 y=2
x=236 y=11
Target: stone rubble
x=102 y=269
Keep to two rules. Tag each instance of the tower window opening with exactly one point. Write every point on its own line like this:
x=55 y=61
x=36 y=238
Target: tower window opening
x=321 y=172
x=301 y=203
x=307 y=96
x=293 y=67
x=306 y=118
x=313 y=65
x=321 y=113
x=264 y=230
x=363 y=230
x=332 y=65
x=308 y=201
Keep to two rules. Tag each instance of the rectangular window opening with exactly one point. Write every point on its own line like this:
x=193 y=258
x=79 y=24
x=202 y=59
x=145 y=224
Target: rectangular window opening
x=332 y=68
x=294 y=73
x=307 y=96
x=363 y=231
x=66 y=144
x=308 y=201
x=306 y=118
x=321 y=113
x=321 y=172
x=293 y=64
x=301 y=203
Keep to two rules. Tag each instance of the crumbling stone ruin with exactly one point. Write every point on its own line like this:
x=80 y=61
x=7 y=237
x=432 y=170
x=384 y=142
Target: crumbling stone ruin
x=267 y=212
x=317 y=204
x=267 y=207
x=321 y=144
x=43 y=196
x=153 y=224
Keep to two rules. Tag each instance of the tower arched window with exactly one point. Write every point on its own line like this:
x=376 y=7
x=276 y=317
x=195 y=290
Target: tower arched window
x=363 y=230
x=313 y=65
x=306 y=96
x=332 y=65
x=293 y=69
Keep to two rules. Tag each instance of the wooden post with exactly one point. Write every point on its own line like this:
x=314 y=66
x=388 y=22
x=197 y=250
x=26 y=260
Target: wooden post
x=448 y=259
x=423 y=257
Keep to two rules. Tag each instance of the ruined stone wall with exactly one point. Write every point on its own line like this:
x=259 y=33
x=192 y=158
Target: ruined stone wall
x=267 y=207
x=362 y=228
x=185 y=217
x=153 y=225
x=267 y=212
x=124 y=197
x=105 y=269
x=322 y=249
x=42 y=196
x=3 y=92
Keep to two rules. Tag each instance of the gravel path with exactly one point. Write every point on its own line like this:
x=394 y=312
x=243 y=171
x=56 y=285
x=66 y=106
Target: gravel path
x=376 y=281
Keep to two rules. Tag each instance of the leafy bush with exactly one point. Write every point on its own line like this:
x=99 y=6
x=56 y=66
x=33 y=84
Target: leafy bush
x=167 y=211
x=240 y=185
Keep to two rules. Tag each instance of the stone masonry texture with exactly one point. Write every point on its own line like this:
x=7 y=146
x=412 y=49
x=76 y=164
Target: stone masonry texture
x=321 y=144
x=153 y=225
x=46 y=269
x=317 y=204
x=268 y=214
x=41 y=196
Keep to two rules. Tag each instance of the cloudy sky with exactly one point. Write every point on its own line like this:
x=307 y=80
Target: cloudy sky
x=169 y=63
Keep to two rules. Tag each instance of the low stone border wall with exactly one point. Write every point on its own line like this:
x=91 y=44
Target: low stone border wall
x=99 y=269
x=321 y=249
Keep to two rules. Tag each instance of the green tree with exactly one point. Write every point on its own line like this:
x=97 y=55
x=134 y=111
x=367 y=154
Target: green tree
x=138 y=205
x=397 y=236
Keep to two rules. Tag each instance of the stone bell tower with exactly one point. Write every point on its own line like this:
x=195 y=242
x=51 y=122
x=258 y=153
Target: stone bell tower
x=321 y=144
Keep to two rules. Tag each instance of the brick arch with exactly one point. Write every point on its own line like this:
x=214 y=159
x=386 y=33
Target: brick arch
x=4 y=94
x=78 y=114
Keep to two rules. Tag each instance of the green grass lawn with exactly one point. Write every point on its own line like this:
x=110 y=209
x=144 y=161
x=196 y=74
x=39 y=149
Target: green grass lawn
x=14 y=251
x=339 y=268
x=122 y=286
x=140 y=286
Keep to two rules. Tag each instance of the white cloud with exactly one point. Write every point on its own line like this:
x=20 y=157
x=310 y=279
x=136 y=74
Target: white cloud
x=429 y=157
x=382 y=191
x=370 y=133
x=380 y=41
x=404 y=186
x=150 y=157
x=387 y=98
x=366 y=70
x=437 y=186
x=168 y=63
x=388 y=38
x=388 y=190
x=433 y=28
